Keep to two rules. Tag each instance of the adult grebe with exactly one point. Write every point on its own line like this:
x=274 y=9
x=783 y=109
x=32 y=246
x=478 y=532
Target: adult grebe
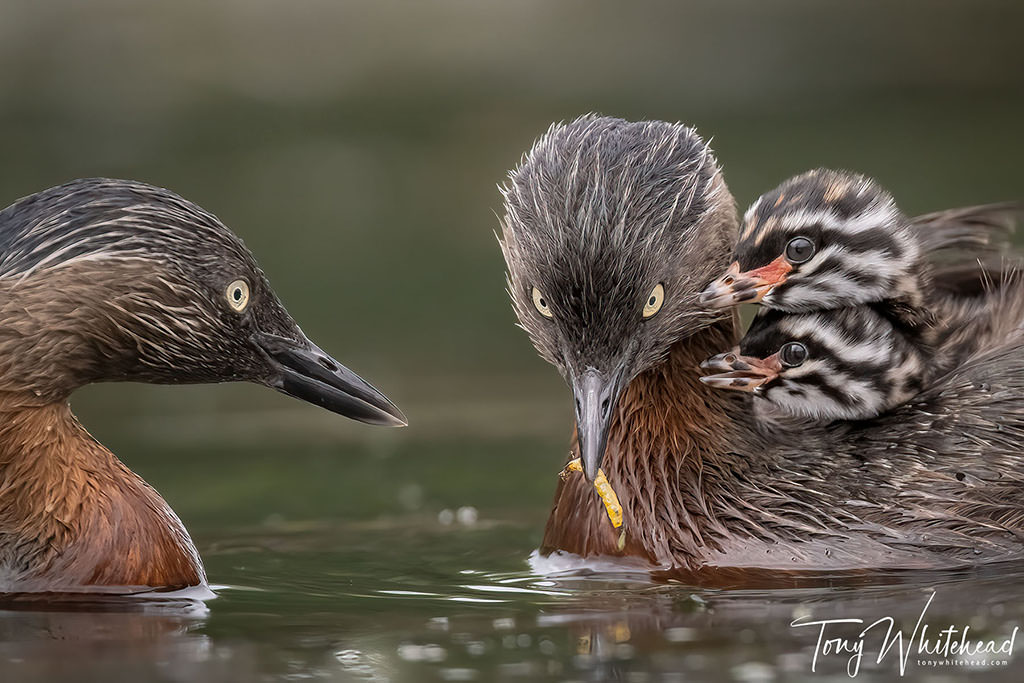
x=112 y=280
x=611 y=231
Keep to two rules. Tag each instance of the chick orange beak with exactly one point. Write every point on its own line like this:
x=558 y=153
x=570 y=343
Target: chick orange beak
x=741 y=373
x=742 y=288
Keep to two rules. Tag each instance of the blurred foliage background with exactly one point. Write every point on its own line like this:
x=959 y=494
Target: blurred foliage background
x=356 y=146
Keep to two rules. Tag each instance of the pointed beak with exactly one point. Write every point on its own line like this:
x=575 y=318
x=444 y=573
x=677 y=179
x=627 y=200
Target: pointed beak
x=741 y=373
x=596 y=395
x=301 y=369
x=735 y=287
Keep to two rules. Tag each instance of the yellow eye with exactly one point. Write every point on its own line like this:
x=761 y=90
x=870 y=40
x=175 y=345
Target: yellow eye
x=654 y=300
x=542 y=304
x=238 y=295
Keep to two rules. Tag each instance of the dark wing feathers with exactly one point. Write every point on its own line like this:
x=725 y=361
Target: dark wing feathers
x=981 y=231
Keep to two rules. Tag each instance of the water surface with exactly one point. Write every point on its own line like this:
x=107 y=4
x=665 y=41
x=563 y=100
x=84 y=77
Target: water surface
x=357 y=564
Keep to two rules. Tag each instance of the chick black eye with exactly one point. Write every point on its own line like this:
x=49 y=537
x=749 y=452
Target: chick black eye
x=792 y=354
x=799 y=250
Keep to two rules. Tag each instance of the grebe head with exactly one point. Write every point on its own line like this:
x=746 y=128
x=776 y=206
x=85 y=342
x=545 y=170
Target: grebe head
x=823 y=239
x=113 y=280
x=610 y=231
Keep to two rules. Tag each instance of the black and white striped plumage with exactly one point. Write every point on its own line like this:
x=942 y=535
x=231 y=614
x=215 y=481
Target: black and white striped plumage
x=843 y=364
x=842 y=271
x=828 y=239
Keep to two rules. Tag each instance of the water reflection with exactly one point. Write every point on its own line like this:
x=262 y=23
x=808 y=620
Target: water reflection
x=630 y=629
x=414 y=599
x=87 y=638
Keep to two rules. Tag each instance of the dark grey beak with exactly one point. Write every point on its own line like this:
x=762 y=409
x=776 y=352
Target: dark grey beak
x=301 y=369
x=596 y=396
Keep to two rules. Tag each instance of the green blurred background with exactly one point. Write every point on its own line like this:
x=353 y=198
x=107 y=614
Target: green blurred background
x=355 y=147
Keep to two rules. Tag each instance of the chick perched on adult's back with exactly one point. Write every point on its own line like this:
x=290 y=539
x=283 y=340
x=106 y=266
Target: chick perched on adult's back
x=829 y=239
x=843 y=364
x=610 y=232
x=858 y=282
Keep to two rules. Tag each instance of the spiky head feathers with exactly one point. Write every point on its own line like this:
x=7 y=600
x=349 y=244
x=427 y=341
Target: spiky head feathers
x=610 y=231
